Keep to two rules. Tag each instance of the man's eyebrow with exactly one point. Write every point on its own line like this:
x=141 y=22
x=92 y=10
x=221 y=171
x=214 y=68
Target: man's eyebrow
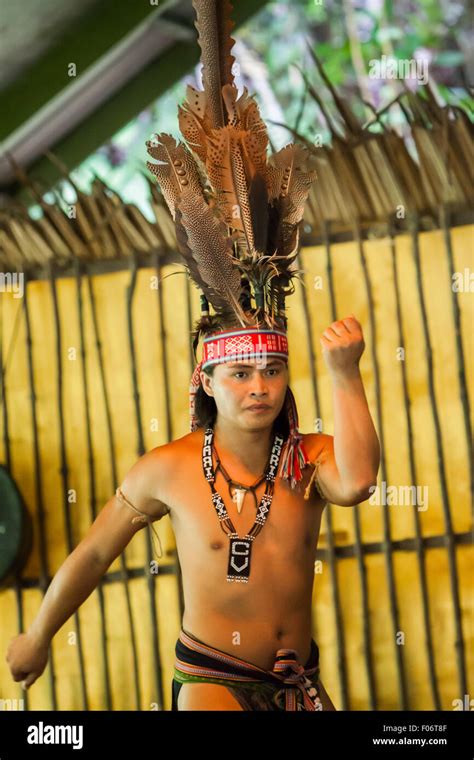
x=251 y=366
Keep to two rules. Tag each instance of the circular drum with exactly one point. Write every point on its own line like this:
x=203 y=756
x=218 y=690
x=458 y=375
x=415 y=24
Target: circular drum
x=15 y=529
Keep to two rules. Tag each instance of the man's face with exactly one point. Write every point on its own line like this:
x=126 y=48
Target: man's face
x=237 y=386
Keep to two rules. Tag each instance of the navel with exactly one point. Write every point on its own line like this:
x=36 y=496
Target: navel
x=216 y=545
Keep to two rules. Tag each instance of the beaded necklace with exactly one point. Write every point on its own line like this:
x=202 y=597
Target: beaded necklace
x=239 y=490
x=240 y=547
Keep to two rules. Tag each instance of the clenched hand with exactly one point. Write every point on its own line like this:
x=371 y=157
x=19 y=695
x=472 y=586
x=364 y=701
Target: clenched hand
x=343 y=344
x=27 y=658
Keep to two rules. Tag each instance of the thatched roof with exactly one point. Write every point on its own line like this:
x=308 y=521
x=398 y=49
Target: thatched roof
x=364 y=178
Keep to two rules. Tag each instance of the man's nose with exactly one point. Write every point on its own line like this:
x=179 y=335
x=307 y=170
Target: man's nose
x=259 y=387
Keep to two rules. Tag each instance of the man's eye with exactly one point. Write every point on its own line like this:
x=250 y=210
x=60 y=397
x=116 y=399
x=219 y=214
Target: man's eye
x=239 y=373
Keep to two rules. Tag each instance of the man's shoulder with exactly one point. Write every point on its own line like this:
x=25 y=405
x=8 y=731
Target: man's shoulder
x=167 y=455
x=177 y=446
x=316 y=443
x=150 y=479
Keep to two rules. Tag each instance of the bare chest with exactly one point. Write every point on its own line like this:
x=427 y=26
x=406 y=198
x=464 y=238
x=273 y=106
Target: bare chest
x=290 y=531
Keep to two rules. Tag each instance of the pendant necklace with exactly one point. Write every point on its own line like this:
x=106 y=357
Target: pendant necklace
x=238 y=568
x=237 y=491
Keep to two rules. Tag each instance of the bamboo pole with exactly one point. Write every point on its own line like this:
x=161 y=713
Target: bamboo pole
x=150 y=577
x=124 y=571
x=419 y=547
x=449 y=534
x=64 y=470
x=92 y=481
x=44 y=578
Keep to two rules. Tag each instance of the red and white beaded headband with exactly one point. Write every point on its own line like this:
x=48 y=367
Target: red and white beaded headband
x=248 y=343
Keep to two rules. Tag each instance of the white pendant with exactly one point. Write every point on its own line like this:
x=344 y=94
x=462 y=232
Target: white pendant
x=238 y=497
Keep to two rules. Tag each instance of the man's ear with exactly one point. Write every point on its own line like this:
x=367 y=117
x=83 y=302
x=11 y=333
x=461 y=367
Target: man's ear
x=206 y=382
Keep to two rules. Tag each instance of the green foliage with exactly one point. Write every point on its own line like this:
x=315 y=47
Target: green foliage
x=346 y=37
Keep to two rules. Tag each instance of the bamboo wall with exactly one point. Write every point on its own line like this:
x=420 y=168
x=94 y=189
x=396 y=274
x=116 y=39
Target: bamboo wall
x=97 y=372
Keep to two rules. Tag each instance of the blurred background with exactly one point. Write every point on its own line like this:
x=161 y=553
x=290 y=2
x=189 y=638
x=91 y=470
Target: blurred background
x=96 y=314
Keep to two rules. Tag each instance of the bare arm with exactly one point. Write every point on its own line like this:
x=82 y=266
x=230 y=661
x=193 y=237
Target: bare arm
x=82 y=570
x=73 y=582
x=349 y=460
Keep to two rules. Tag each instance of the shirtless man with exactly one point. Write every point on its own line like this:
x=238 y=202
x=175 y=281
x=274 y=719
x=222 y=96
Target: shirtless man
x=250 y=621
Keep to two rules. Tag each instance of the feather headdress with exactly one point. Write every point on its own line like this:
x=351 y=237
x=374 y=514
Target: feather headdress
x=236 y=210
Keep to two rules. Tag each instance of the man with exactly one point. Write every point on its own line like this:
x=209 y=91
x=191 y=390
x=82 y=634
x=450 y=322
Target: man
x=244 y=645
x=246 y=639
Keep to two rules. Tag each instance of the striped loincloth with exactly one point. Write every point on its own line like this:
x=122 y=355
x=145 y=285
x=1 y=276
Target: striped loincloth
x=287 y=686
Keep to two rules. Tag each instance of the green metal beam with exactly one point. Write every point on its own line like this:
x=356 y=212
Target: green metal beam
x=88 y=39
x=133 y=98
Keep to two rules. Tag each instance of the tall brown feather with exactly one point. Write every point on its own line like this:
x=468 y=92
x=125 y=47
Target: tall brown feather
x=177 y=171
x=226 y=171
x=211 y=247
x=290 y=177
x=194 y=122
x=186 y=252
x=235 y=159
x=214 y=26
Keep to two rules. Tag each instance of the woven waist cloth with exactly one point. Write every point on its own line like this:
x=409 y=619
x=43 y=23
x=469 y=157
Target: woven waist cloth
x=288 y=685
